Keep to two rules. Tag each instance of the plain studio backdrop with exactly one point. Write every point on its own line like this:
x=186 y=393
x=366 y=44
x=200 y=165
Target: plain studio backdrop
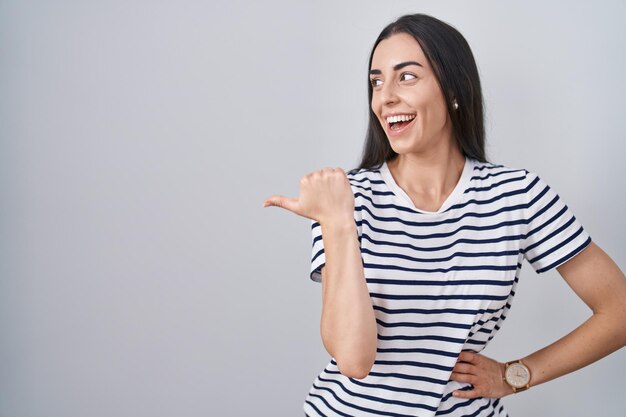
x=139 y=273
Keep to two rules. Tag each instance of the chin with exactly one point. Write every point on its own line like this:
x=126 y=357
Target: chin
x=403 y=148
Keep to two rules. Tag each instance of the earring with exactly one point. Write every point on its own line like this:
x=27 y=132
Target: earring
x=455 y=105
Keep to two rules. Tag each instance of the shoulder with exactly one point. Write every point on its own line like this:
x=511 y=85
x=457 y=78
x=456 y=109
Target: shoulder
x=362 y=178
x=362 y=173
x=489 y=173
x=497 y=177
x=505 y=185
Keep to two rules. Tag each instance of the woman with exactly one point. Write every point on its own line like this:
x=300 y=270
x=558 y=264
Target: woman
x=423 y=244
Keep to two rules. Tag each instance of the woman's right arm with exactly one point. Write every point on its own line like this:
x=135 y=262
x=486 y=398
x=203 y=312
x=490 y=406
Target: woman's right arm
x=348 y=325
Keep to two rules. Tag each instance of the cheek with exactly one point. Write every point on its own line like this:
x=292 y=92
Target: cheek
x=436 y=113
x=374 y=105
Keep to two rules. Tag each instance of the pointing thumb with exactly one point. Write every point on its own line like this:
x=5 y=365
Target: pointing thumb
x=288 y=203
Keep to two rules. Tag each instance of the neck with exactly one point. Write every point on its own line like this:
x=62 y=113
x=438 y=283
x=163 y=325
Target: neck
x=429 y=177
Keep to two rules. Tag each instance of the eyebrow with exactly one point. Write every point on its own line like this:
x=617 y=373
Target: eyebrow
x=397 y=67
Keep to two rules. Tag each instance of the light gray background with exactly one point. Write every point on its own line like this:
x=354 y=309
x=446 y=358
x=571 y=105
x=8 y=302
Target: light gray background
x=139 y=273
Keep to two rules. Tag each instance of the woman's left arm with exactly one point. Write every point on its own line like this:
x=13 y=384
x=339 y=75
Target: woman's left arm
x=599 y=282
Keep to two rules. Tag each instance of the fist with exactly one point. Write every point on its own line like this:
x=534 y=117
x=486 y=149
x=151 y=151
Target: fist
x=325 y=196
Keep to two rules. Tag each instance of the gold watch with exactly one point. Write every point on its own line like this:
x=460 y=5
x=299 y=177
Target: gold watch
x=517 y=375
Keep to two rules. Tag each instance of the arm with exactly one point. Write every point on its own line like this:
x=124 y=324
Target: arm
x=599 y=282
x=348 y=324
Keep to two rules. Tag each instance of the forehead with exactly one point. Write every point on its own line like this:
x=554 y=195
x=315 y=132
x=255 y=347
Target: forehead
x=397 y=48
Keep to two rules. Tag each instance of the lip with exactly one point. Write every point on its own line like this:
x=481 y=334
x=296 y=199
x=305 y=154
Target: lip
x=394 y=133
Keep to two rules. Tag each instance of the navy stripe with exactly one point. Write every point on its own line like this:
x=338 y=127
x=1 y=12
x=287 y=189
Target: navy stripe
x=450 y=282
x=421 y=325
x=495 y=184
x=444 y=259
x=550 y=236
x=372 y=181
x=456 y=219
x=439 y=297
x=540 y=213
x=357 y=407
x=495 y=174
x=435 y=311
x=374 y=192
x=442 y=247
x=317 y=255
x=453 y=220
x=443 y=234
x=314 y=406
x=406 y=376
x=410 y=377
x=394 y=389
x=418 y=350
x=378 y=399
x=446 y=221
x=422 y=337
x=419 y=365
x=341 y=413
x=560 y=245
x=498 y=197
x=449 y=395
x=545 y=224
x=443 y=270
x=457 y=206
x=464 y=404
x=566 y=257
x=480 y=168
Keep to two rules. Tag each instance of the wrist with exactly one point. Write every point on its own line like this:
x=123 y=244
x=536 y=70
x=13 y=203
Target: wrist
x=517 y=375
x=338 y=225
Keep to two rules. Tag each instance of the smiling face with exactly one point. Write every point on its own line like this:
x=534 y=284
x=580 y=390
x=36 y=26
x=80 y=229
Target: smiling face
x=406 y=97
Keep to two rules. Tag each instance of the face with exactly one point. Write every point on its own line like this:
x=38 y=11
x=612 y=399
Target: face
x=406 y=97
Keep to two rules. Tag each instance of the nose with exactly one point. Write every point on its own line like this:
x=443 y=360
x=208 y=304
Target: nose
x=388 y=94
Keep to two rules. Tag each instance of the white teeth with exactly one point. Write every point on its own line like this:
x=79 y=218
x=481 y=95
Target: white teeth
x=400 y=118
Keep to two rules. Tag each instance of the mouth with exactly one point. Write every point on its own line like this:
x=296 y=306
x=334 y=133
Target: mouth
x=399 y=122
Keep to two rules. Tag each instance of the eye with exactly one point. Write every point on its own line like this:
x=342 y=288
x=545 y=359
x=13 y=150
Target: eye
x=376 y=82
x=407 y=76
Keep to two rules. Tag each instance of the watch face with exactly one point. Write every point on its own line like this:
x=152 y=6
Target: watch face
x=517 y=375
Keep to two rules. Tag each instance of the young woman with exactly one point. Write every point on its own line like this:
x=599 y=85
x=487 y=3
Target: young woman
x=419 y=249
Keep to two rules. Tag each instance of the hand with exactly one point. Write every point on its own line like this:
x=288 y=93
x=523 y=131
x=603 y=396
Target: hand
x=485 y=374
x=325 y=196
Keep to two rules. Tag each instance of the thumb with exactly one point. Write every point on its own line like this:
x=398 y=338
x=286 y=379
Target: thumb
x=291 y=204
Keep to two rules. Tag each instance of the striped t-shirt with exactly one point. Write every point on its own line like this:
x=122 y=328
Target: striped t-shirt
x=441 y=282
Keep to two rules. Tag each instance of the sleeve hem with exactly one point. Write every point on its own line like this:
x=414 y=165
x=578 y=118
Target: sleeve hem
x=316 y=275
x=565 y=258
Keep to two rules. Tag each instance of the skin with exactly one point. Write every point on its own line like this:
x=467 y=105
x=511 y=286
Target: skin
x=348 y=325
x=429 y=163
x=428 y=167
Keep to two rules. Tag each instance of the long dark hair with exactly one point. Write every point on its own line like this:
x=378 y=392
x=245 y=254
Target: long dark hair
x=453 y=63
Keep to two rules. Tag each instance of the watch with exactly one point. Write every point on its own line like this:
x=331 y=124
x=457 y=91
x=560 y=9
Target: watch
x=517 y=375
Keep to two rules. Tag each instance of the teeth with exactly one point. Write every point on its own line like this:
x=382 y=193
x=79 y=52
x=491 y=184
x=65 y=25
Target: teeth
x=400 y=118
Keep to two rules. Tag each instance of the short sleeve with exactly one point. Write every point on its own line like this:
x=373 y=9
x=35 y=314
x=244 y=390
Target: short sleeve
x=318 y=260
x=553 y=234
